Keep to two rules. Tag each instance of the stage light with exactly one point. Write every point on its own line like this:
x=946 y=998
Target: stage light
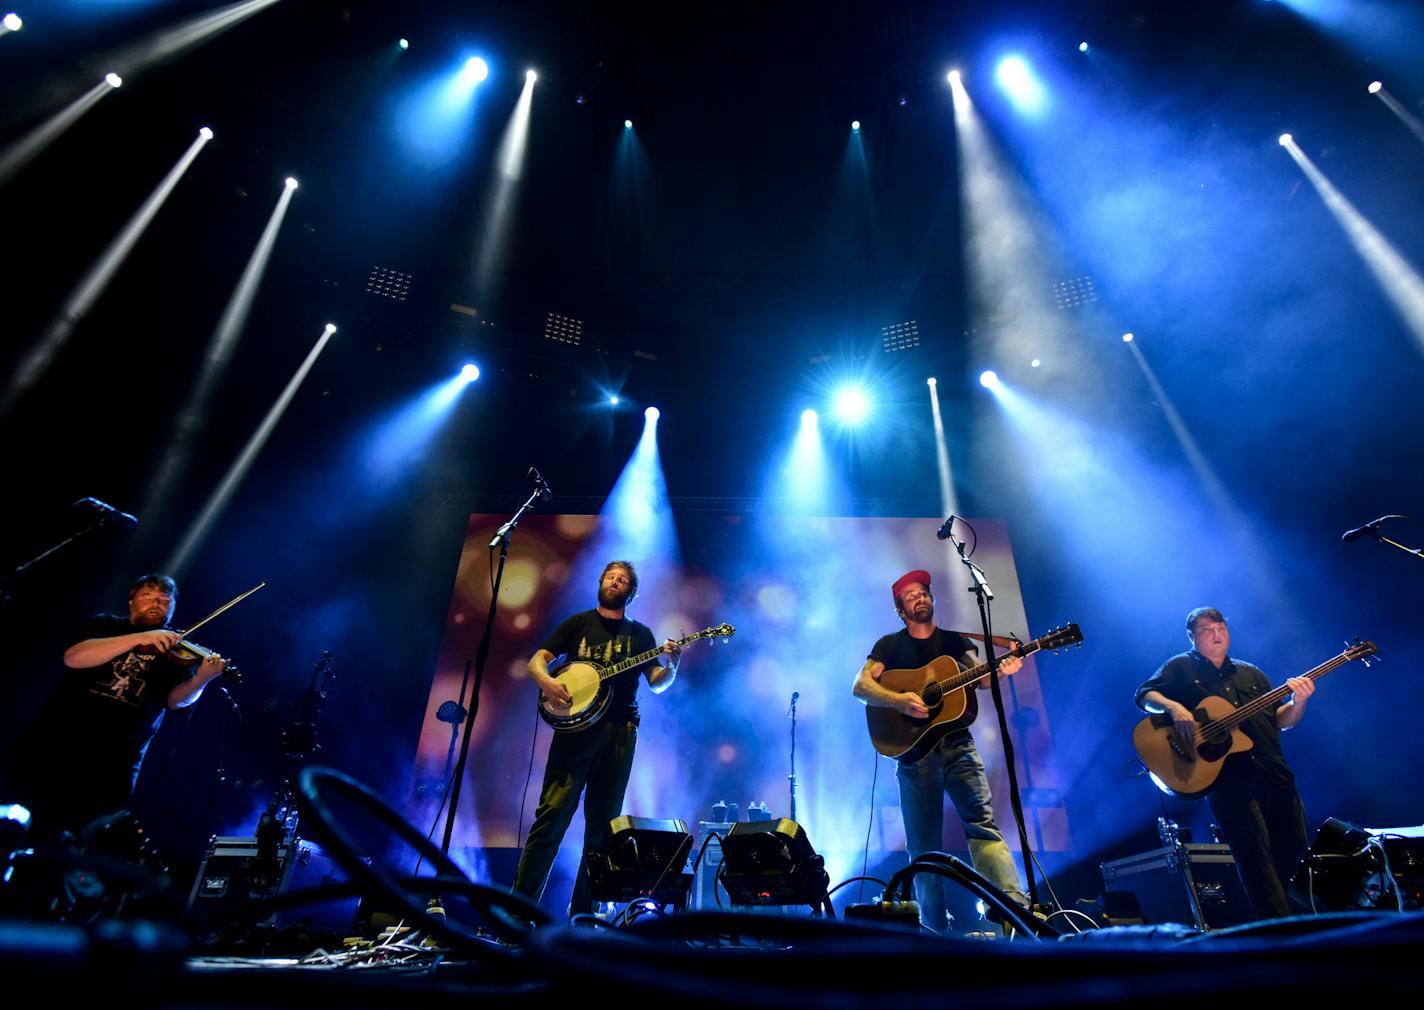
x=953 y=77
x=851 y=404
x=1127 y=338
x=772 y=863
x=855 y=125
x=1082 y=47
x=404 y=43
x=470 y=372
x=1285 y=139
x=330 y=327
x=932 y=381
x=205 y=133
x=476 y=70
x=613 y=401
x=645 y=857
x=1035 y=363
x=627 y=124
x=530 y=76
x=989 y=379
x=652 y=414
x=1016 y=78
x=1374 y=87
x=808 y=418
x=13 y=22
x=113 y=79
x=291 y=183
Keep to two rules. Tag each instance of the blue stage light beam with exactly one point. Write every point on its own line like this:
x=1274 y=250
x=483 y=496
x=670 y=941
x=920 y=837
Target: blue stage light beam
x=1017 y=80
x=1397 y=278
x=403 y=439
x=218 y=501
x=221 y=346
x=93 y=283
x=801 y=481
x=436 y=118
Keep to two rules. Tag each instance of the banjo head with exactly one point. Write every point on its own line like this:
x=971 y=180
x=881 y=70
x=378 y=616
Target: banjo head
x=582 y=682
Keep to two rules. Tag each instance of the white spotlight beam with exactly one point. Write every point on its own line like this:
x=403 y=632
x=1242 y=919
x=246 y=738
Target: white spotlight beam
x=168 y=43
x=92 y=285
x=1402 y=284
x=220 y=497
x=1409 y=119
x=220 y=349
x=949 y=504
x=1005 y=246
x=29 y=147
x=1265 y=573
x=510 y=166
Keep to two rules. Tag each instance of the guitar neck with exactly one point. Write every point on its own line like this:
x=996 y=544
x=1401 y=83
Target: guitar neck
x=969 y=676
x=1272 y=698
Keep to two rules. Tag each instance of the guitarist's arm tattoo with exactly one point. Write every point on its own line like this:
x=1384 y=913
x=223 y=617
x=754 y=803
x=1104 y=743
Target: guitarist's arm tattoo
x=869 y=690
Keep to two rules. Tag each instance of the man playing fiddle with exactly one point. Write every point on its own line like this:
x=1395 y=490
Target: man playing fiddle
x=82 y=756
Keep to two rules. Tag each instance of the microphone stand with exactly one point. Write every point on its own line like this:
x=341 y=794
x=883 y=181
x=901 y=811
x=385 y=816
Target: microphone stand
x=792 y=777
x=14 y=577
x=1372 y=530
x=984 y=594
x=500 y=540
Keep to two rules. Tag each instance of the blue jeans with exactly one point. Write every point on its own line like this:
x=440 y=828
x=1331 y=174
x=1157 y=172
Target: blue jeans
x=953 y=767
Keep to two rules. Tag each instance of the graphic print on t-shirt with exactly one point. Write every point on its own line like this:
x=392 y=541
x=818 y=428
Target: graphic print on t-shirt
x=128 y=681
x=613 y=647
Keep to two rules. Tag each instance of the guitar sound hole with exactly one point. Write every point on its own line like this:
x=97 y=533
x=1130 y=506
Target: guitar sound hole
x=932 y=695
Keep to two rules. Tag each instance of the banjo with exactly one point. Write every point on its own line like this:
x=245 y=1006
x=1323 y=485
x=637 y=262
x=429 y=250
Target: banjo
x=588 y=686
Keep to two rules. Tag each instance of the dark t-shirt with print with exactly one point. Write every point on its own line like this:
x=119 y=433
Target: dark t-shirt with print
x=112 y=710
x=588 y=635
x=900 y=651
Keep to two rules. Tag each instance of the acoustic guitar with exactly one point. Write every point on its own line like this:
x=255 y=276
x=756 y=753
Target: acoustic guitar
x=941 y=685
x=1191 y=771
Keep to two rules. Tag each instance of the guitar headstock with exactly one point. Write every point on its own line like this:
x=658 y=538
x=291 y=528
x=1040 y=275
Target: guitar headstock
x=1060 y=638
x=723 y=631
x=1361 y=650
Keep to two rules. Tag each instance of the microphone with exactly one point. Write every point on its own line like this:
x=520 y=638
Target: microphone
x=545 y=492
x=110 y=514
x=943 y=533
x=1369 y=529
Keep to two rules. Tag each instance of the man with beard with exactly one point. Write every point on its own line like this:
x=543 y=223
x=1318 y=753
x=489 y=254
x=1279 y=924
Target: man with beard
x=82 y=756
x=595 y=761
x=953 y=766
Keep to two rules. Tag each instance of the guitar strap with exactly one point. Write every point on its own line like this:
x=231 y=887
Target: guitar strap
x=1000 y=642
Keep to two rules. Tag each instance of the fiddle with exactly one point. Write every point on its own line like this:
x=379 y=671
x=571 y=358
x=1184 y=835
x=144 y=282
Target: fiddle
x=186 y=653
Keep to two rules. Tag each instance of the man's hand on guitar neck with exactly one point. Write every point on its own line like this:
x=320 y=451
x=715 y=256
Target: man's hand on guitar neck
x=1008 y=666
x=1289 y=714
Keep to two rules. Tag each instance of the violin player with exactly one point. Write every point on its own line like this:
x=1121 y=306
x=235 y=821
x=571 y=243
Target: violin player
x=81 y=757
